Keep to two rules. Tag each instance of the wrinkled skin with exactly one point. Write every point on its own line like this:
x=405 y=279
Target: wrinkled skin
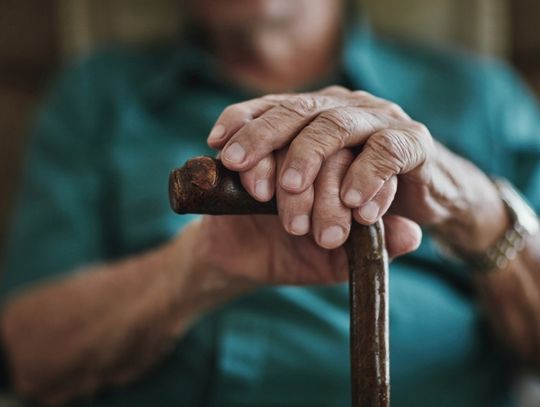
x=319 y=179
x=274 y=46
x=337 y=141
x=251 y=251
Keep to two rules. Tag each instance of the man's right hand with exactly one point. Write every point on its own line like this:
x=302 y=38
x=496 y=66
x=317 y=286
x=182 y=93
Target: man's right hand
x=243 y=252
x=258 y=250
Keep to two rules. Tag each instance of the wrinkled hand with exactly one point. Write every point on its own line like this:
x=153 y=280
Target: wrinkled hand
x=254 y=250
x=301 y=147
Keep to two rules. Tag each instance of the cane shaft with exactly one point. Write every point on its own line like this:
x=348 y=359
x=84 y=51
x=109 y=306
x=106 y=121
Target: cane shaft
x=205 y=186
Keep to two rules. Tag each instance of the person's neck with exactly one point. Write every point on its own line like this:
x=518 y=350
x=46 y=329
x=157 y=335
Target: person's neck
x=296 y=75
x=263 y=73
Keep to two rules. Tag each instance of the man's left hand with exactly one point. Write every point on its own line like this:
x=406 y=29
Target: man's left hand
x=296 y=137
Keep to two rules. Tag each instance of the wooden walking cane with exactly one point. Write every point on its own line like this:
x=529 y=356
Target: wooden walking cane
x=204 y=186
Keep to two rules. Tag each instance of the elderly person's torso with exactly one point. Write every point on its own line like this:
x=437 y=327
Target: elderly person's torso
x=139 y=114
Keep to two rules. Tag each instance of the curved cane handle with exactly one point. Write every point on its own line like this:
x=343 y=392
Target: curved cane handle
x=204 y=186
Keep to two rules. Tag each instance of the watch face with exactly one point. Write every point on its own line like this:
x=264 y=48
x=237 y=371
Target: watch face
x=525 y=215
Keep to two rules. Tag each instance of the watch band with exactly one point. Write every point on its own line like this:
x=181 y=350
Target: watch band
x=502 y=252
x=524 y=224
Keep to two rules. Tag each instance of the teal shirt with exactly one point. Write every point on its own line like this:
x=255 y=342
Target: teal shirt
x=95 y=189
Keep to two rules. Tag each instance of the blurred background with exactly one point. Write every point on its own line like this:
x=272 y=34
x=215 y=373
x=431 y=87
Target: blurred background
x=38 y=36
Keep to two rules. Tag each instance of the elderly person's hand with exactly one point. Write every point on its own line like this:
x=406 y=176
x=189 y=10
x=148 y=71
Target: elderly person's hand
x=337 y=154
x=242 y=252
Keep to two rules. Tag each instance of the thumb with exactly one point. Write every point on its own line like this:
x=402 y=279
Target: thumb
x=402 y=235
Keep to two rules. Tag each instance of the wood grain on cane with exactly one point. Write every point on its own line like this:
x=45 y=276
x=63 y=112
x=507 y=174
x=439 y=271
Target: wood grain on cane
x=204 y=186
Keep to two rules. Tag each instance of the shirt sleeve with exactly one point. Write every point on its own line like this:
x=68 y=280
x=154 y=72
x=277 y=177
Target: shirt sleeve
x=515 y=114
x=55 y=226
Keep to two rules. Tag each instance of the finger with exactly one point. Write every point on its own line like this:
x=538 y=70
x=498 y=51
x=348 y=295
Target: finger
x=374 y=209
x=234 y=117
x=259 y=181
x=366 y=100
x=386 y=153
x=294 y=209
x=402 y=235
x=331 y=220
x=329 y=132
x=355 y=98
x=274 y=129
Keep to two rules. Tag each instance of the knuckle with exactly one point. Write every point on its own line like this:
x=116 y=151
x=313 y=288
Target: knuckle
x=265 y=167
x=234 y=109
x=237 y=111
x=388 y=153
x=227 y=113
x=328 y=210
x=395 y=152
x=274 y=98
x=330 y=198
x=319 y=145
x=335 y=89
x=304 y=105
x=335 y=168
x=263 y=129
x=270 y=97
x=342 y=159
x=362 y=94
x=419 y=128
x=395 y=111
x=298 y=203
x=365 y=99
x=422 y=136
x=337 y=124
x=265 y=125
x=310 y=150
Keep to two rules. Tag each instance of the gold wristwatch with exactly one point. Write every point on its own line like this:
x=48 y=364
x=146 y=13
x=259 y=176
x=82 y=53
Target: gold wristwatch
x=525 y=224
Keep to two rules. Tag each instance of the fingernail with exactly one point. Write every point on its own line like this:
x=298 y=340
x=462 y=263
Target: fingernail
x=369 y=211
x=332 y=236
x=300 y=225
x=262 y=189
x=235 y=153
x=217 y=133
x=291 y=179
x=353 y=198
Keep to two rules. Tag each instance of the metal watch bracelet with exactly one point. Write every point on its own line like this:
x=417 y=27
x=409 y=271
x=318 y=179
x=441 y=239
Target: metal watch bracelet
x=524 y=225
